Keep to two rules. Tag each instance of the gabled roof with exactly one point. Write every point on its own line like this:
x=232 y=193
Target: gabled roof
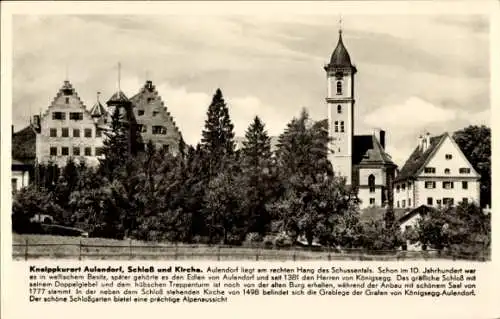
x=368 y=151
x=421 y=210
x=24 y=145
x=418 y=158
x=66 y=89
x=150 y=89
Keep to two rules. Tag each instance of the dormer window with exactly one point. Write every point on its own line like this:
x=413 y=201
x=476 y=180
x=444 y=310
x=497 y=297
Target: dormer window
x=339 y=87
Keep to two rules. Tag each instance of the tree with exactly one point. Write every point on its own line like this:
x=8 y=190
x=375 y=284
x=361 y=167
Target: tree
x=463 y=229
x=115 y=149
x=218 y=136
x=258 y=177
x=475 y=143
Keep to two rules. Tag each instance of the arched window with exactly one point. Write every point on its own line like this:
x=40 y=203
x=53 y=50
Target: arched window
x=447 y=171
x=339 y=109
x=339 y=87
x=336 y=126
x=371 y=183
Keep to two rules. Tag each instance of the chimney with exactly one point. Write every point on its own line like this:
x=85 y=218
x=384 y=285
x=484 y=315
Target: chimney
x=420 y=144
x=382 y=138
x=427 y=141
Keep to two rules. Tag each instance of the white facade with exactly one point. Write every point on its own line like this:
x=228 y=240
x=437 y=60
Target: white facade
x=66 y=130
x=446 y=177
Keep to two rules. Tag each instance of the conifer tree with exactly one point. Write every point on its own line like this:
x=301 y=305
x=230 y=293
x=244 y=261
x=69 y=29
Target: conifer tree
x=115 y=149
x=218 y=136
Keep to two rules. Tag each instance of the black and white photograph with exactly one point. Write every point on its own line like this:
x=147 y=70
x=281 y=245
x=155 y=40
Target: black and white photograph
x=252 y=137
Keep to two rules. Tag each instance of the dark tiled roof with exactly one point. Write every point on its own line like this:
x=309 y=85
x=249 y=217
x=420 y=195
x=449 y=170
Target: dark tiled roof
x=367 y=150
x=418 y=158
x=378 y=213
x=118 y=97
x=340 y=57
x=24 y=145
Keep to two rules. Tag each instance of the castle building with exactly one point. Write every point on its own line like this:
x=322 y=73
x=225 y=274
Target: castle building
x=155 y=123
x=67 y=129
x=360 y=159
x=437 y=173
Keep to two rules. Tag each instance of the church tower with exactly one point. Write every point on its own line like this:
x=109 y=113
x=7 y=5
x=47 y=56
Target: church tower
x=340 y=102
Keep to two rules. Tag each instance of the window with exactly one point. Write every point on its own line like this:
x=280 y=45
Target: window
x=342 y=126
x=157 y=129
x=53 y=132
x=336 y=126
x=403 y=203
x=155 y=113
x=465 y=185
x=150 y=99
x=65 y=151
x=397 y=189
x=447 y=201
x=438 y=201
x=140 y=112
x=447 y=171
x=448 y=156
x=409 y=202
x=430 y=170
x=447 y=185
x=465 y=200
x=403 y=187
x=67 y=100
x=65 y=132
x=76 y=116
x=58 y=115
x=397 y=204
x=339 y=109
x=13 y=183
x=409 y=185
x=429 y=201
x=430 y=184
x=98 y=132
x=98 y=151
x=88 y=151
x=88 y=132
x=76 y=150
x=53 y=151
x=76 y=132
x=372 y=201
x=166 y=147
x=141 y=128
x=339 y=87
x=464 y=170
x=371 y=183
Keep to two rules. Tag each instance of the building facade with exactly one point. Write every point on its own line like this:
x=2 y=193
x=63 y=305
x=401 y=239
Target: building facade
x=437 y=173
x=67 y=129
x=360 y=159
x=155 y=123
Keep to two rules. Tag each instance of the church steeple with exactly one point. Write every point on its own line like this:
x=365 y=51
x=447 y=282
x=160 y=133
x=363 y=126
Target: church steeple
x=340 y=57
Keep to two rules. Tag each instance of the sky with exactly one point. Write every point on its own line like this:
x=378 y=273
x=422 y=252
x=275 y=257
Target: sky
x=416 y=73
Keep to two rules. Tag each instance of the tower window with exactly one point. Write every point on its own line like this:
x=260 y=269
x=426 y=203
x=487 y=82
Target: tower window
x=339 y=87
x=342 y=126
x=339 y=109
x=371 y=183
x=336 y=126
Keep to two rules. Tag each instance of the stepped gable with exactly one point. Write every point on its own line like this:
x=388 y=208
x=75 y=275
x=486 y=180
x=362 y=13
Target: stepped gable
x=418 y=158
x=149 y=90
x=66 y=89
